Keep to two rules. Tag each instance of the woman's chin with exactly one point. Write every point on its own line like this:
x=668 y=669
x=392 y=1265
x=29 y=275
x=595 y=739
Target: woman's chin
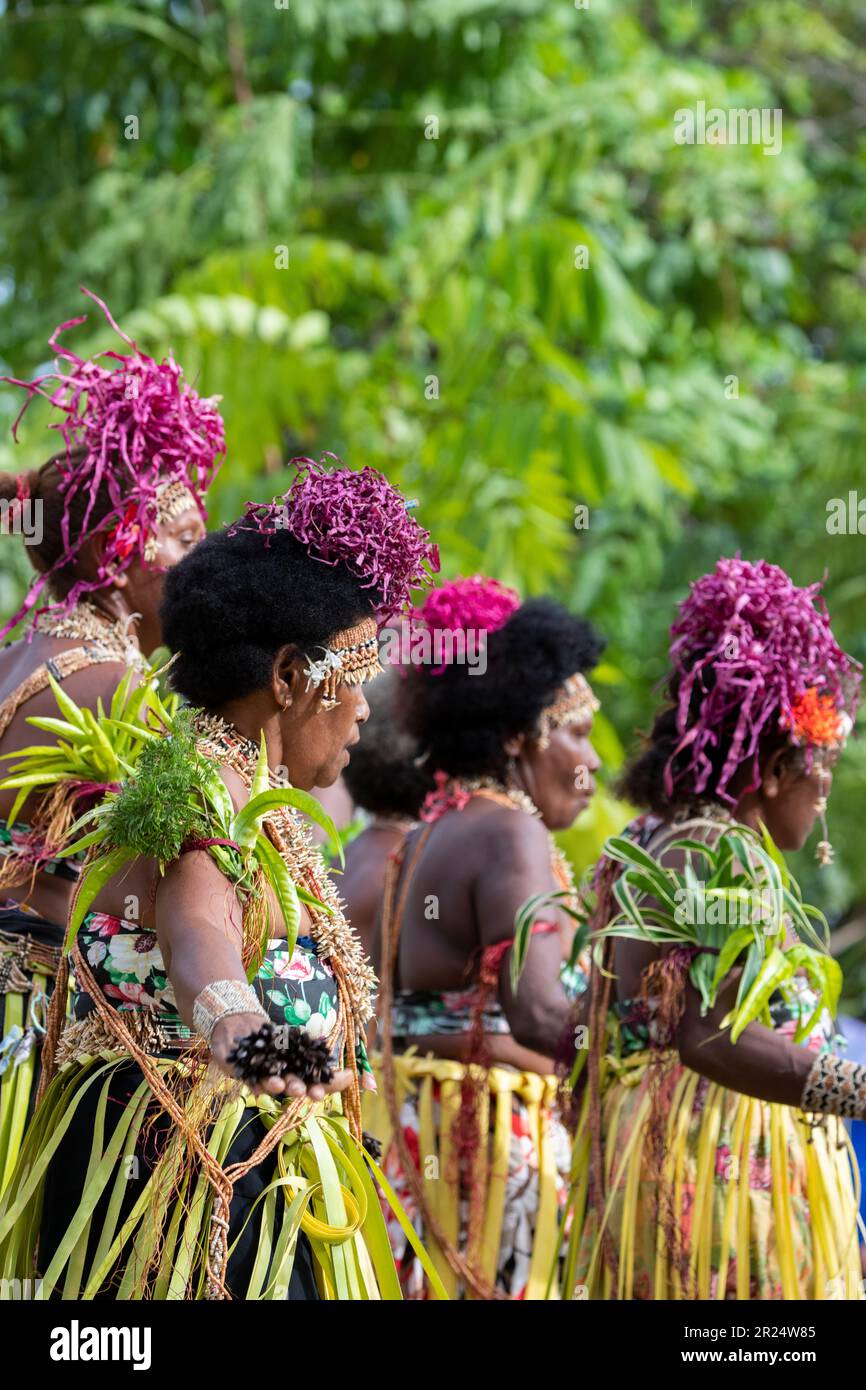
x=576 y=810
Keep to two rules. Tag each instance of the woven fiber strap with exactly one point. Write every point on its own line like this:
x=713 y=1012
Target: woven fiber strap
x=59 y=667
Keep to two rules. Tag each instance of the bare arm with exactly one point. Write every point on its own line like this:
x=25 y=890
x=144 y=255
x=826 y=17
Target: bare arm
x=198 y=925
x=761 y=1063
x=517 y=865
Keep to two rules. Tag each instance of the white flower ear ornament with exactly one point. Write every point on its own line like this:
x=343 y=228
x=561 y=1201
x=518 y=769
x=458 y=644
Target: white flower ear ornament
x=351 y=658
x=322 y=672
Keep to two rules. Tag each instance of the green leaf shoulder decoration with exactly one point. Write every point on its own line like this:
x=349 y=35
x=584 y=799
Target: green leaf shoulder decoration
x=733 y=904
x=740 y=911
x=160 y=794
x=90 y=753
x=175 y=798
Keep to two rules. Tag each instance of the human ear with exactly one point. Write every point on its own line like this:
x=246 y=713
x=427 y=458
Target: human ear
x=514 y=746
x=286 y=676
x=774 y=771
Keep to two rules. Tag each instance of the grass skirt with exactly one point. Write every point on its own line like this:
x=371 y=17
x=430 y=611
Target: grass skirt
x=106 y=1200
x=519 y=1178
x=763 y=1205
x=24 y=996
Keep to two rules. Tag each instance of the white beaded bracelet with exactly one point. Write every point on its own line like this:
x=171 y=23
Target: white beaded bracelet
x=221 y=998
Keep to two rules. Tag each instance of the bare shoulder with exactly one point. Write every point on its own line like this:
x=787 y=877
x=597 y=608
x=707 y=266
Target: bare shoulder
x=98 y=682
x=664 y=844
x=508 y=836
x=86 y=687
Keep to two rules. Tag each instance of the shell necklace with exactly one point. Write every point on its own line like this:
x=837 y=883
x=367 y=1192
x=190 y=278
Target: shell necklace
x=332 y=932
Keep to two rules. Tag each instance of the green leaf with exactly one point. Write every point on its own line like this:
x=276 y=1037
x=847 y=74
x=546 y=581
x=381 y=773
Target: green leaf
x=67 y=706
x=774 y=971
x=261 y=776
x=75 y=735
x=280 y=880
x=91 y=884
x=733 y=947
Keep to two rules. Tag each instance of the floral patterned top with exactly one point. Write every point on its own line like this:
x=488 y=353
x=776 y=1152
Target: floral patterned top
x=296 y=988
x=419 y=1013
x=631 y=1022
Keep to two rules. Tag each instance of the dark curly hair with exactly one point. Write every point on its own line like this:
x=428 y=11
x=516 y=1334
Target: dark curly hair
x=462 y=720
x=44 y=488
x=643 y=781
x=234 y=601
x=382 y=776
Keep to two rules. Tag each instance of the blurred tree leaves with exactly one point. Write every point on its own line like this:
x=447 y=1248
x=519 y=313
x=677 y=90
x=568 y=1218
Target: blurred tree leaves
x=549 y=305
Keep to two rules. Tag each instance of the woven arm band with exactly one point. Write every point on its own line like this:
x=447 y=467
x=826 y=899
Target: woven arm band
x=835 y=1086
x=221 y=998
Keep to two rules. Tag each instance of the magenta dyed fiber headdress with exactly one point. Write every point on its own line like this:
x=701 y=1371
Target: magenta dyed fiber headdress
x=473 y=604
x=767 y=645
x=143 y=428
x=355 y=518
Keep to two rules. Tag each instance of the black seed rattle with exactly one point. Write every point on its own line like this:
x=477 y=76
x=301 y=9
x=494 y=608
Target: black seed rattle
x=281 y=1052
x=372 y=1145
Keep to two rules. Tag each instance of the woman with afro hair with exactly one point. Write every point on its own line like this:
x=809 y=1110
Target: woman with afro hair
x=201 y=1136
x=711 y=1159
x=467 y=1059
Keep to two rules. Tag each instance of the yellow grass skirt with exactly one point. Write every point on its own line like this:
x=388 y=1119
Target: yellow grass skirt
x=138 y=1228
x=765 y=1205
x=520 y=1176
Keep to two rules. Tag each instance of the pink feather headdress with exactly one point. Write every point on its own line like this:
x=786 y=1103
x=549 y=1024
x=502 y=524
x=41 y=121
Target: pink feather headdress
x=142 y=428
x=355 y=518
x=757 y=654
x=474 y=604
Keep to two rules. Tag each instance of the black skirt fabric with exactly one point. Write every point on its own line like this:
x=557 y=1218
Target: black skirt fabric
x=65 y=1180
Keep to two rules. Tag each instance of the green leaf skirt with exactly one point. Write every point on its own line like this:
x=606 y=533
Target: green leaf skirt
x=22 y=1015
x=106 y=1201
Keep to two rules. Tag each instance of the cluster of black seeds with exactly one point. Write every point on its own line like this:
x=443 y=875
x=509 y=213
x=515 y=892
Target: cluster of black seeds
x=263 y=1054
x=372 y=1145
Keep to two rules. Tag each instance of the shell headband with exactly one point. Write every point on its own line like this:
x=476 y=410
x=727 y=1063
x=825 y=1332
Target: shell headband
x=350 y=658
x=574 y=704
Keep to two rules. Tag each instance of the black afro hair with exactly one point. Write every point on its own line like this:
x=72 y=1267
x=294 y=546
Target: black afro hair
x=383 y=776
x=463 y=720
x=643 y=782
x=234 y=601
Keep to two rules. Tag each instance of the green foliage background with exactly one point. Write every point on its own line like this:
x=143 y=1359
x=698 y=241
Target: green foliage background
x=302 y=130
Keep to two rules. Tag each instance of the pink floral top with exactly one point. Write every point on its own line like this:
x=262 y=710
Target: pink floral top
x=297 y=988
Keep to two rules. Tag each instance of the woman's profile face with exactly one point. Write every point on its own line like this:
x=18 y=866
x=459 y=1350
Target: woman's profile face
x=790 y=814
x=145 y=584
x=560 y=777
x=317 y=741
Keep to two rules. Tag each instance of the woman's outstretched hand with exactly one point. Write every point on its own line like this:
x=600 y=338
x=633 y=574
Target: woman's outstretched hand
x=229 y=1031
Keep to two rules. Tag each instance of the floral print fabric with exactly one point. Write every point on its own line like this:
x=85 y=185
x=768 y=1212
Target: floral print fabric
x=296 y=988
x=17 y=842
